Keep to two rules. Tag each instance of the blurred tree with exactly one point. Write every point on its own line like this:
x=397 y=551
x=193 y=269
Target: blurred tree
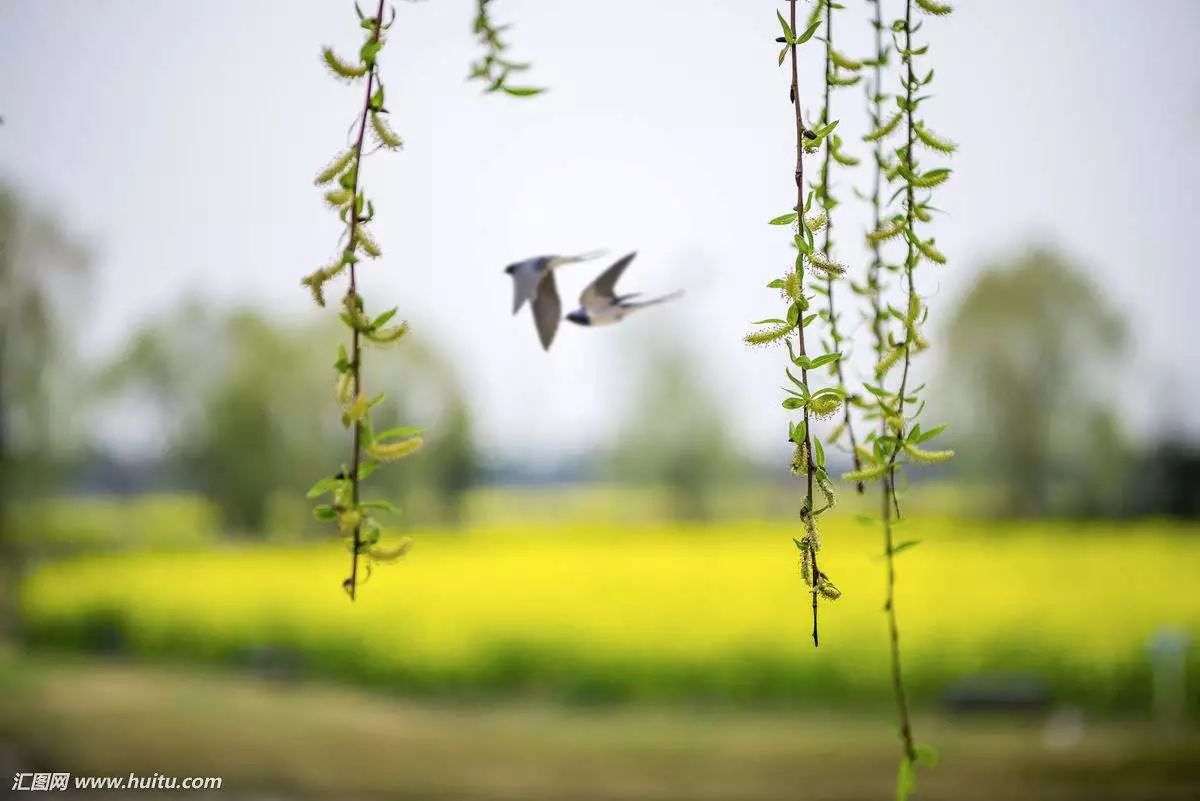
x=262 y=429
x=163 y=376
x=431 y=488
x=224 y=400
x=674 y=436
x=1029 y=350
x=240 y=405
x=40 y=264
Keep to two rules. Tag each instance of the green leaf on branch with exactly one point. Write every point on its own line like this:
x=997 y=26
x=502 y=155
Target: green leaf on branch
x=382 y=319
x=824 y=359
x=925 y=436
x=342 y=365
x=787 y=29
x=398 y=433
x=369 y=51
x=825 y=130
x=808 y=34
x=325 y=485
x=522 y=91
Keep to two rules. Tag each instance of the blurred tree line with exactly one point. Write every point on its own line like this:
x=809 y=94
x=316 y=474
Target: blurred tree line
x=1036 y=363
x=236 y=404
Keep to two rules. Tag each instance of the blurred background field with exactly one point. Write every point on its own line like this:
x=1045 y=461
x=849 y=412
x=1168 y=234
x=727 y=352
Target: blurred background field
x=602 y=658
x=713 y=612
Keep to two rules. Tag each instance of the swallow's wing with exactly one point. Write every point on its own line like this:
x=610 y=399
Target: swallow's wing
x=602 y=292
x=525 y=283
x=547 y=309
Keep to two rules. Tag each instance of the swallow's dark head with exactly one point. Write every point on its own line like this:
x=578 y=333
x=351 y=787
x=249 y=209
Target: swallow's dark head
x=510 y=269
x=579 y=317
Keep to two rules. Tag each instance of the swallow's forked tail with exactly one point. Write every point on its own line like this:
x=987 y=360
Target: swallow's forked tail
x=662 y=298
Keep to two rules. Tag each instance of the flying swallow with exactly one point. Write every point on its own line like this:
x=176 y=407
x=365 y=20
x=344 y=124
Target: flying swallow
x=533 y=281
x=601 y=305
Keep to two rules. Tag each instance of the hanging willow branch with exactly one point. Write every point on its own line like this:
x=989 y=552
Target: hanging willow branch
x=840 y=71
x=897 y=329
x=808 y=458
x=878 y=318
x=354 y=516
x=494 y=68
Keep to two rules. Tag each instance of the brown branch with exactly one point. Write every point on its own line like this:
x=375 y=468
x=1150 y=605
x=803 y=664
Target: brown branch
x=351 y=583
x=799 y=174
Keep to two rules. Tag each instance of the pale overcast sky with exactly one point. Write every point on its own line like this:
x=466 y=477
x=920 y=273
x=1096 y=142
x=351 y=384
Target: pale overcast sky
x=181 y=139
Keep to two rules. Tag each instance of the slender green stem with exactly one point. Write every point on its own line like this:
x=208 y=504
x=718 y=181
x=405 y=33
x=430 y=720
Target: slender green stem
x=906 y=735
x=888 y=500
x=874 y=273
x=910 y=257
x=827 y=245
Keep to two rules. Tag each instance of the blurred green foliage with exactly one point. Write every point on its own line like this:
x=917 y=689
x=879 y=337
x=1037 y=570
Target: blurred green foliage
x=40 y=262
x=674 y=436
x=242 y=408
x=66 y=525
x=1030 y=384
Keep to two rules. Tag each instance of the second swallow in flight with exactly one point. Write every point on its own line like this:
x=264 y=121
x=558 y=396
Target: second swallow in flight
x=601 y=305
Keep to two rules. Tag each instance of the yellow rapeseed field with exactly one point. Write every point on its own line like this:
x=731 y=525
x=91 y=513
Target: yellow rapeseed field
x=658 y=611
